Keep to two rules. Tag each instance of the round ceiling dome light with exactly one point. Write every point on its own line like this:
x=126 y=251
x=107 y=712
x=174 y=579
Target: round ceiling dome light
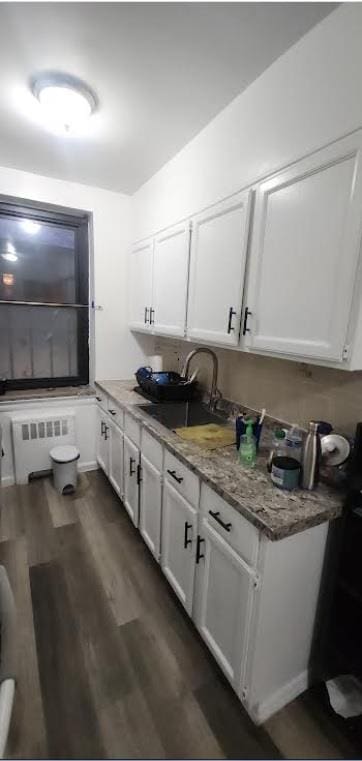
x=66 y=102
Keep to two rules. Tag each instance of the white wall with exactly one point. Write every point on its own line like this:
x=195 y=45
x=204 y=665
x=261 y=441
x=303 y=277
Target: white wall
x=310 y=96
x=117 y=351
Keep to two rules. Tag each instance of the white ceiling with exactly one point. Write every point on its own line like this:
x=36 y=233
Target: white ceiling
x=161 y=71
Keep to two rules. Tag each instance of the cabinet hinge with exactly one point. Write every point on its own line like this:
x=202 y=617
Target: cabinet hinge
x=346 y=350
x=256 y=582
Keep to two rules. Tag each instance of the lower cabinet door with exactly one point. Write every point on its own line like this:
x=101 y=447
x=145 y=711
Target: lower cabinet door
x=223 y=596
x=116 y=458
x=131 y=478
x=103 y=441
x=179 y=536
x=150 y=506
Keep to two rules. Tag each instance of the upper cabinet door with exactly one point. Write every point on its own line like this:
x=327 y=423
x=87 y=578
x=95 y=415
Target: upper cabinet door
x=170 y=273
x=140 y=285
x=305 y=253
x=217 y=266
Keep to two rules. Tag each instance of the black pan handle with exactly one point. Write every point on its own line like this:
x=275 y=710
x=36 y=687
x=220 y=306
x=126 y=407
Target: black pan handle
x=216 y=516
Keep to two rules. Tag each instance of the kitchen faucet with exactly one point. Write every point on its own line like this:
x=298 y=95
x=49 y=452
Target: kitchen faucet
x=215 y=394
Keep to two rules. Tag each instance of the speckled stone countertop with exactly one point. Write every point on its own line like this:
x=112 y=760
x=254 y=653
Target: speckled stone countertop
x=275 y=512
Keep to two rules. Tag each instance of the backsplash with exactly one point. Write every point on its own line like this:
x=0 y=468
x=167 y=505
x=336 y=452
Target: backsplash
x=290 y=391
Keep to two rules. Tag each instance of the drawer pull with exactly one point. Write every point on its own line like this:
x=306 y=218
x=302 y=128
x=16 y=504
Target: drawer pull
x=230 y=320
x=132 y=461
x=246 y=315
x=199 y=554
x=172 y=473
x=216 y=516
x=187 y=541
x=113 y=412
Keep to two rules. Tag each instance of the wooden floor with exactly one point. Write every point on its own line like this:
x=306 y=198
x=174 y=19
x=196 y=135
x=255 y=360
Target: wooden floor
x=110 y=666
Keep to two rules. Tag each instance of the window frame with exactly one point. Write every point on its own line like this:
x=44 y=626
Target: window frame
x=79 y=221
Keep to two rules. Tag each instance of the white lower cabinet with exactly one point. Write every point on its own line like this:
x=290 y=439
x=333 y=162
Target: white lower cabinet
x=116 y=458
x=103 y=440
x=254 y=601
x=223 y=596
x=179 y=537
x=131 y=478
x=150 y=506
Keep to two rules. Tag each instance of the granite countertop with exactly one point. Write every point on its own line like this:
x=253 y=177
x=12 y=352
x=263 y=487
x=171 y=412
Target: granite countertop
x=275 y=512
x=40 y=394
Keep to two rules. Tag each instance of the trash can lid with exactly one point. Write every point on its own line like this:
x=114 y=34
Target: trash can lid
x=66 y=453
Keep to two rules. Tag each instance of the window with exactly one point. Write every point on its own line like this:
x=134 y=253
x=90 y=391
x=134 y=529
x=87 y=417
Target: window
x=44 y=298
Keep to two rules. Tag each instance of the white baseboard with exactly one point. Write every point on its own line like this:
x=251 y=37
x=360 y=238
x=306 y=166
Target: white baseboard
x=84 y=466
x=7 y=481
x=261 y=712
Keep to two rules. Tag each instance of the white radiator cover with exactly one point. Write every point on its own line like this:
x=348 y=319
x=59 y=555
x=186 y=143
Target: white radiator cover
x=35 y=434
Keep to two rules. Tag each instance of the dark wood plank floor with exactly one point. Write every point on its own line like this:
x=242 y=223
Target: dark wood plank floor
x=110 y=666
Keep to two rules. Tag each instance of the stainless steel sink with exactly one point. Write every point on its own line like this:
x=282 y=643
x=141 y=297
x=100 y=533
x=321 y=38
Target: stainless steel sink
x=187 y=414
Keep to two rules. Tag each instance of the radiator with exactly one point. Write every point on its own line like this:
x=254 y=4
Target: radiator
x=34 y=435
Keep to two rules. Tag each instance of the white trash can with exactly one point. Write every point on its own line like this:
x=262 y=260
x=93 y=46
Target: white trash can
x=64 y=461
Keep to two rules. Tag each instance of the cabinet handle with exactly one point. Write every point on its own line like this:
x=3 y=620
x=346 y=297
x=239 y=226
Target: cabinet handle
x=98 y=398
x=102 y=427
x=146 y=315
x=231 y=315
x=187 y=541
x=113 y=412
x=216 y=516
x=131 y=463
x=172 y=473
x=199 y=554
x=152 y=316
x=106 y=428
x=139 y=471
x=245 y=326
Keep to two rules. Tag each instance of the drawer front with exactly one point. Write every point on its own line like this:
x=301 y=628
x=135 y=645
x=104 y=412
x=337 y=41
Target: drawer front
x=241 y=535
x=116 y=413
x=132 y=428
x=102 y=399
x=182 y=479
x=152 y=450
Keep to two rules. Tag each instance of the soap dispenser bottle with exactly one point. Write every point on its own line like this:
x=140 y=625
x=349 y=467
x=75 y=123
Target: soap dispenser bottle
x=247 y=449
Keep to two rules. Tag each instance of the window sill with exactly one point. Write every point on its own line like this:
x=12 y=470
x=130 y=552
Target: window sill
x=37 y=394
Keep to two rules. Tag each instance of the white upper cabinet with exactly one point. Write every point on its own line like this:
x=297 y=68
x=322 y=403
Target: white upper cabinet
x=217 y=266
x=170 y=273
x=303 y=263
x=140 y=285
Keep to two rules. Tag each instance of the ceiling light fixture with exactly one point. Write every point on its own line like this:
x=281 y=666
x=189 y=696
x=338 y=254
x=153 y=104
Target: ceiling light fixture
x=66 y=102
x=30 y=227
